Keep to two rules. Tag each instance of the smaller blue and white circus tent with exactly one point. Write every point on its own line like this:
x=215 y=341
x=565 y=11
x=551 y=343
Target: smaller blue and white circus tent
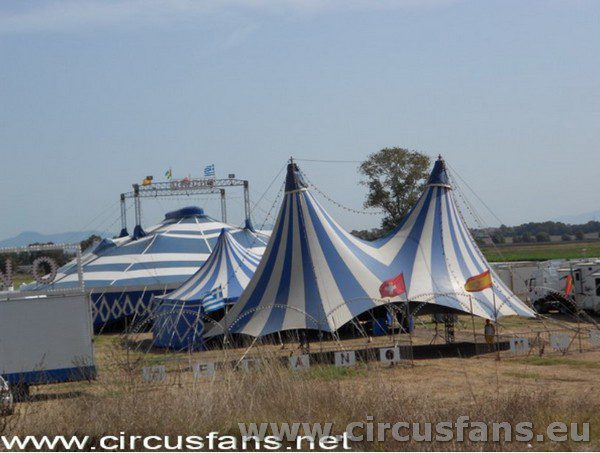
x=179 y=316
x=307 y=278
x=230 y=267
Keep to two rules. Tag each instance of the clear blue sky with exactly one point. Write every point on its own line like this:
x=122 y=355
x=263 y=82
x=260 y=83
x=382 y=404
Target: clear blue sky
x=96 y=94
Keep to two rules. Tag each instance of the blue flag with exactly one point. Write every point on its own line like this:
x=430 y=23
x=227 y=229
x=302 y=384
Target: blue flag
x=213 y=300
x=209 y=170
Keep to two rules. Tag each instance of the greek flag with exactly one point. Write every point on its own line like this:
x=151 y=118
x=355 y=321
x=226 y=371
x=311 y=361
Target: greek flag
x=209 y=170
x=213 y=300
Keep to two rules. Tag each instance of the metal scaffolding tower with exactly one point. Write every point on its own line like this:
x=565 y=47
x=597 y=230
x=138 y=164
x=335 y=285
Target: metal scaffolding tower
x=180 y=187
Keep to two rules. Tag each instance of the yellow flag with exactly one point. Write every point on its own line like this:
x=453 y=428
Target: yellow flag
x=147 y=181
x=479 y=282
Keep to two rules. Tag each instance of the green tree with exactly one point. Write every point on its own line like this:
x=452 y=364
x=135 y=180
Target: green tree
x=542 y=237
x=580 y=236
x=86 y=243
x=526 y=237
x=395 y=178
x=368 y=235
x=498 y=238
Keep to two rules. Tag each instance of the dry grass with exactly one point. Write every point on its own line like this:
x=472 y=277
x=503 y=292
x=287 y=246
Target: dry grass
x=540 y=390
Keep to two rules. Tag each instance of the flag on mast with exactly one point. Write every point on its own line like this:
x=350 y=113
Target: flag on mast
x=213 y=300
x=479 y=282
x=569 y=285
x=209 y=170
x=147 y=181
x=169 y=173
x=393 y=287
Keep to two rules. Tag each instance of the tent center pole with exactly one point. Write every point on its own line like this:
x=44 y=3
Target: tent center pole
x=247 y=201
x=223 y=206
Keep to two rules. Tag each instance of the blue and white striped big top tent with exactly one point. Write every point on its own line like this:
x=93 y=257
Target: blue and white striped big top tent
x=307 y=279
x=434 y=250
x=178 y=319
x=315 y=275
x=123 y=274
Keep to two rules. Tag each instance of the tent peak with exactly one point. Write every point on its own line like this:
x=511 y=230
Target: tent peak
x=439 y=174
x=294 y=180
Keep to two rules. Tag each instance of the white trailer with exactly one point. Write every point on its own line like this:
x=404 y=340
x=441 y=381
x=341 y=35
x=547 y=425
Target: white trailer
x=586 y=283
x=44 y=338
x=547 y=286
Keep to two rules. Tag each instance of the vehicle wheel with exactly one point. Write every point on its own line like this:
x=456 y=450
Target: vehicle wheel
x=540 y=307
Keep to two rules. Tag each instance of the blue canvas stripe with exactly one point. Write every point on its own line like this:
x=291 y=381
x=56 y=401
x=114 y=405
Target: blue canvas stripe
x=384 y=240
x=239 y=262
x=467 y=243
x=155 y=265
x=164 y=244
x=147 y=281
x=457 y=250
x=110 y=267
x=376 y=267
x=315 y=312
x=210 y=283
x=257 y=294
x=481 y=297
x=275 y=320
x=409 y=249
x=353 y=293
x=440 y=276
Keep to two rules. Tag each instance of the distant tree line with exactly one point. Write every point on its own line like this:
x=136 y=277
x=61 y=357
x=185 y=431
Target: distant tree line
x=539 y=232
x=395 y=179
x=61 y=258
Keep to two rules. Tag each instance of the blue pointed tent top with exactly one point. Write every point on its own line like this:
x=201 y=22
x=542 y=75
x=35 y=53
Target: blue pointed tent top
x=294 y=180
x=439 y=175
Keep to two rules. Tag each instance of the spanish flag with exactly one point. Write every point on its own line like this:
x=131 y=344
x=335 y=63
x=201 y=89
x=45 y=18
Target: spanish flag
x=479 y=282
x=569 y=285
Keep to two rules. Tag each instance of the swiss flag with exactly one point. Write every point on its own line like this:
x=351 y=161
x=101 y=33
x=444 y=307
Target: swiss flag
x=393 y=287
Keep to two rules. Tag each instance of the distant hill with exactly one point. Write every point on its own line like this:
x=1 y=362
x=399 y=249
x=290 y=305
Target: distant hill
x=30 y=237
x=580 y=218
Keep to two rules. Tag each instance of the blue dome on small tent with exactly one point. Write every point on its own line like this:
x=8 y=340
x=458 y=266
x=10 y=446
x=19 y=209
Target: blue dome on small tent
x=188 y=211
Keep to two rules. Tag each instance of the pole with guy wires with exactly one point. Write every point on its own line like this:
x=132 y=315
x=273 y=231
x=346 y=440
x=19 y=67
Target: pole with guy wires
x=495 y=319
x=473 y=322
x=480 y=283
x=396 y=287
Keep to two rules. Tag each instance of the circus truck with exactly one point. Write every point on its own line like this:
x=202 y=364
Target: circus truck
x=548 y=285
x=45 y=337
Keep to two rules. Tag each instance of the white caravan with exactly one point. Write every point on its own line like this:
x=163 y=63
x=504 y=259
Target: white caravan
x=44 y=337
x=548 y=283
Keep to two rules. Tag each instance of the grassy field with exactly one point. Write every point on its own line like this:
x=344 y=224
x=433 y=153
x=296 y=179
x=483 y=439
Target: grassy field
x=543 y=251
x=537 y=388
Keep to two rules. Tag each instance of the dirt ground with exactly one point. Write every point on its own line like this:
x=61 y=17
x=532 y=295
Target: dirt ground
x=540 y=386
